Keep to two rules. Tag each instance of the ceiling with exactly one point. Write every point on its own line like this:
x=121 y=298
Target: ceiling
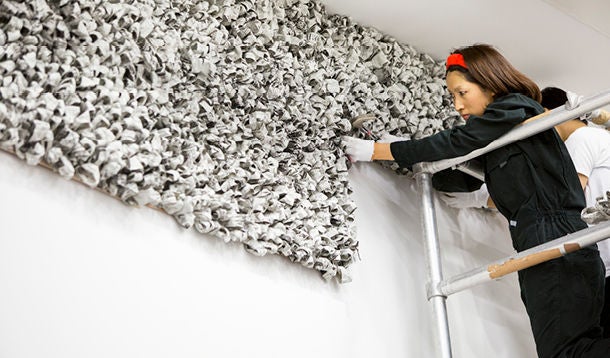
x=593 y=13
x=561 y=43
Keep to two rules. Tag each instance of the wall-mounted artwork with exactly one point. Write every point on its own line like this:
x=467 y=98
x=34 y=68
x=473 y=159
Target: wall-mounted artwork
x=226 y=115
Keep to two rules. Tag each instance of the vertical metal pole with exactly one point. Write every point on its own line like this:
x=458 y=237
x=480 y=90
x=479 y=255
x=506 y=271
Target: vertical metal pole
x=433 y=265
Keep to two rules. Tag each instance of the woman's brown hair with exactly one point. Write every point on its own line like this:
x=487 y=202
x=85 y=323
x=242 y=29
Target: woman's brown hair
x=492 y=71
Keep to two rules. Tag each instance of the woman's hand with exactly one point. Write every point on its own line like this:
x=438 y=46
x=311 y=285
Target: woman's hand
x=476 y=199
x=358 y=150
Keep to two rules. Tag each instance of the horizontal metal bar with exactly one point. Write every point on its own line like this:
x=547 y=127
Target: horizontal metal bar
x=546 y=120
x=473 y=169
x=528 y=258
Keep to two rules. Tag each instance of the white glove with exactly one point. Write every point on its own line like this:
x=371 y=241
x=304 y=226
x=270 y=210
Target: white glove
x=388 y=138
x=598 y=116
x=574 y=100
x=358 y=150
x=475 y=199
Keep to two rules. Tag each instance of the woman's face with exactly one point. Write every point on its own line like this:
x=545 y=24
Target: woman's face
x=468 y=97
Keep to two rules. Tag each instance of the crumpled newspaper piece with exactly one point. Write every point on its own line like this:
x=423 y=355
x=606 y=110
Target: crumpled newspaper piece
x=226 y=114
x=599 y=212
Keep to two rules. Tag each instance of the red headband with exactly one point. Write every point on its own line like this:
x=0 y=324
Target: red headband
x=455 y=59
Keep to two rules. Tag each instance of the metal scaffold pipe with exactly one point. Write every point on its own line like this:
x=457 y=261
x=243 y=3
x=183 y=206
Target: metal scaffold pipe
x=433 y=264
x=528 y=258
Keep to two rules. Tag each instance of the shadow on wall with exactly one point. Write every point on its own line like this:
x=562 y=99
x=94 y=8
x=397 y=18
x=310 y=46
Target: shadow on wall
x=225 y=114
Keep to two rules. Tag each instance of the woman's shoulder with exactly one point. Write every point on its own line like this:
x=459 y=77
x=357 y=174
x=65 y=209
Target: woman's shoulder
x=516 y=101
x=517 y=98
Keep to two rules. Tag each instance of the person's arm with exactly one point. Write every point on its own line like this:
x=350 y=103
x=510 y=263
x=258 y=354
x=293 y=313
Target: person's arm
x=382 y=151
x=500 y=117
x=490 y=203
x=583 y=180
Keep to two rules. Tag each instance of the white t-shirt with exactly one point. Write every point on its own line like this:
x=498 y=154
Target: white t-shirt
x=590 y=151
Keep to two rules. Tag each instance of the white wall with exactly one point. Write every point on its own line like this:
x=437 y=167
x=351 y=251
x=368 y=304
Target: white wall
x=552 y=47
x=83 y=275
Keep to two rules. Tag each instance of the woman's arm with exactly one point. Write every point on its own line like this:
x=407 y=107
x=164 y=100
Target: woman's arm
x=500 y=117
x=382 y=151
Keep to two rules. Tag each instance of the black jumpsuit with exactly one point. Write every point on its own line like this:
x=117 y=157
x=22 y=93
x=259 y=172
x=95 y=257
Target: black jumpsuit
x=535 y=186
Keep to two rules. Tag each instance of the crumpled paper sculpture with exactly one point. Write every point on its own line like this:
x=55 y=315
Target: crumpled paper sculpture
x=226 y=114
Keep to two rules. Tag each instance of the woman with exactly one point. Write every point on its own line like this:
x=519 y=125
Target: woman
x=533 y=184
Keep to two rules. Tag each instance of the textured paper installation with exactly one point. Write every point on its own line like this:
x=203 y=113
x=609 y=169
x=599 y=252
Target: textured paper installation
x=227 y=115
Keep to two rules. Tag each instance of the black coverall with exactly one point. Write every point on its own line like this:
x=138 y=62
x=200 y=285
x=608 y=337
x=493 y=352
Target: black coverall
x=535 y=186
